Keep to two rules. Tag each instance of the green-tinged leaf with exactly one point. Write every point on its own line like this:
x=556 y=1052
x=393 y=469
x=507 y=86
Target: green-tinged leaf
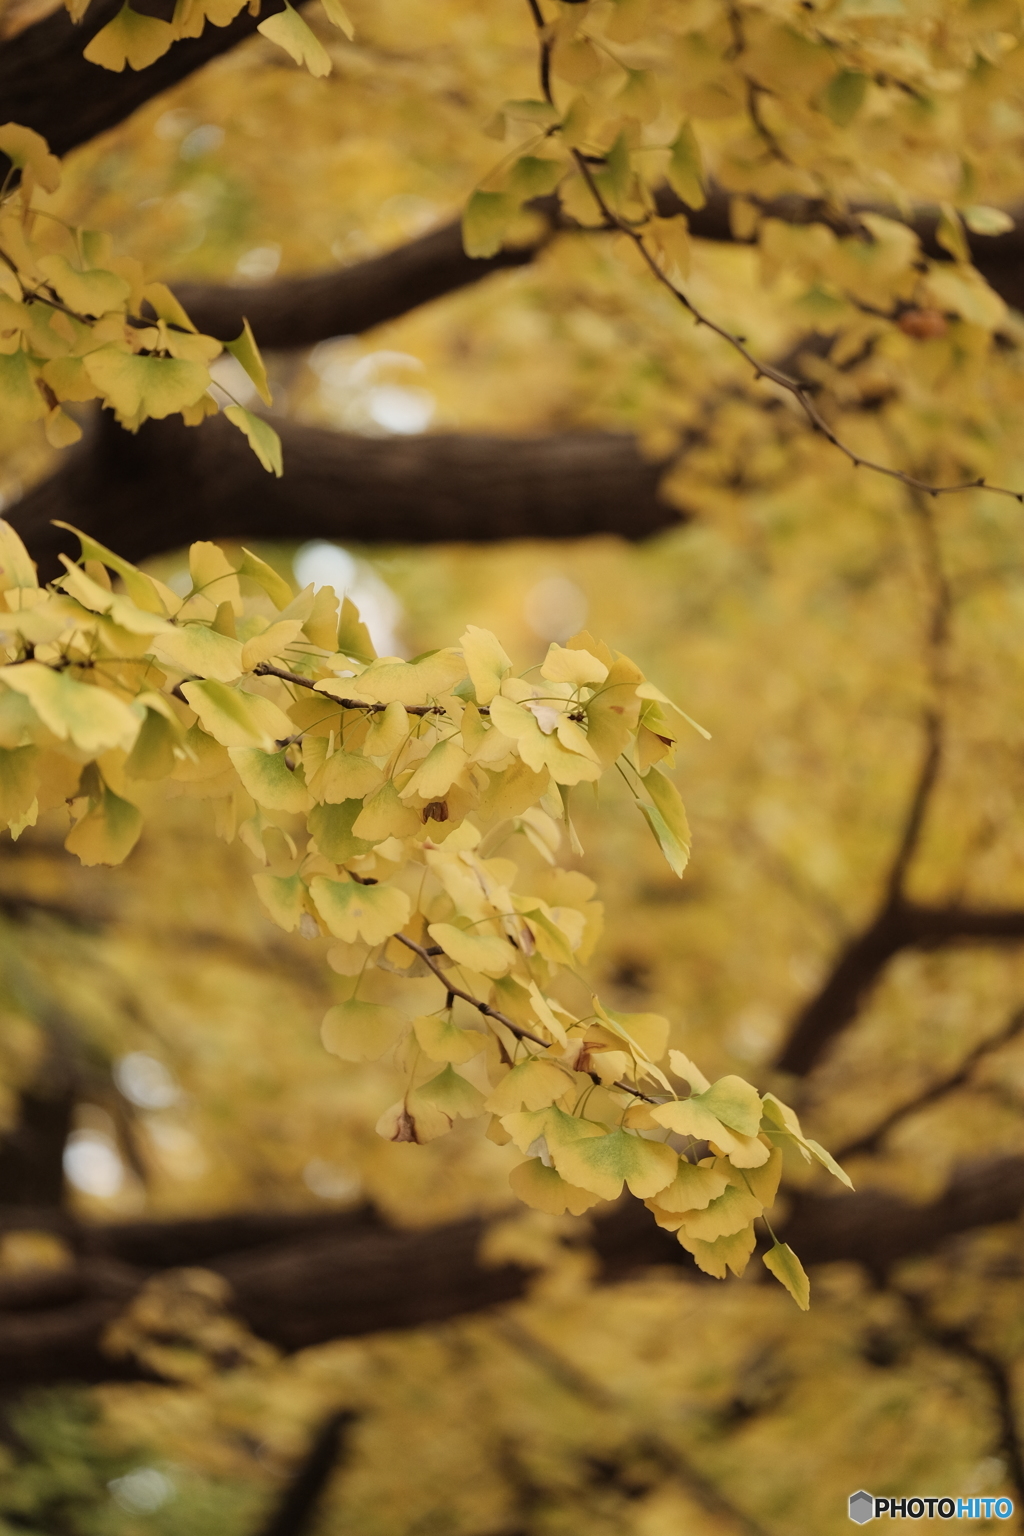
x=691 y=1117
x=144 y=590
x=108 y=831
x=237 y=719
x=93 y=718
x=949 y=233
x=358 y=1031
x=28 y=150
x=685 y=169
x=138 y=387
x=275 y=586
x=353 y=911
x=331 y=828
x=531 y=176
x=736 y=1103
x=788 y=1270
x=452 y=1095
x=284 y=898
x=544 y=1189
x=20 y=400
x=485 y=222
x=263 y=440
x=406 y=682
x=843 y=97
x=245 y=351
x=603 y=1163
x=482 y=952
x=442 y=1040
x=781 y=1125
x=17 y=782
x=16 y=568
x=99 y=599
x=269 y=780
x=667 y=820
x=198 y=649
x=288 y=30
x=152 y=756
x=981 y=220
x=486 y=662
x=92 y=292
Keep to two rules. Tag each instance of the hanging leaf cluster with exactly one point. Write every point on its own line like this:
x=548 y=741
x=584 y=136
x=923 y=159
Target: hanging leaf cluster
x=78 y=323
x=385 y=801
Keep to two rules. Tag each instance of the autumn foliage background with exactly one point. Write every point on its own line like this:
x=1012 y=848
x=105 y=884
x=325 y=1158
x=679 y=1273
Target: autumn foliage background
x=830 y=630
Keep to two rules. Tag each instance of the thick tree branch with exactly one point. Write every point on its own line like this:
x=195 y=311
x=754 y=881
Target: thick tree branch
x=46 y=84
x=170 y=484
x=304 y=1280
x=297 y=312
x=300 y=311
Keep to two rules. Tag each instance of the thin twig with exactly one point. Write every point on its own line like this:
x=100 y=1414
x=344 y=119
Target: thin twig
x=488 y=1012
x=958 y=1341
x=870 y=1140
x=762 y=370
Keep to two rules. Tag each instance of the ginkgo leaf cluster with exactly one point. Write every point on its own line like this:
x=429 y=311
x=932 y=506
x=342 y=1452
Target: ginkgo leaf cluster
x=383 y=800
x=78 y=323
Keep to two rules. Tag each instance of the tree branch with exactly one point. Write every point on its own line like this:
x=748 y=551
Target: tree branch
x=297 y=312
x=300 y=311
x=870 y=1141
x=302 y=1280
x=899 y=925
x=169 y=485
x=995 y=1372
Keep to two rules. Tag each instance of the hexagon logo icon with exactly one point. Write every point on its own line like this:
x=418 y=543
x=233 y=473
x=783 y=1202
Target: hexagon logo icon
x=862 y=1507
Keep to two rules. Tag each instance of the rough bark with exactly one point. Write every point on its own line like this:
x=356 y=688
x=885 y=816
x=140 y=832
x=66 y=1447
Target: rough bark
x=899 y=925
x=304 y=1280
x=46 y=84
x=170 y=484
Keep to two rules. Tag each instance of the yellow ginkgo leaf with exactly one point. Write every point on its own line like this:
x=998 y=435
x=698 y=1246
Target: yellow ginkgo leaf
x=358 y=1031
x=130 y=39
x=288 y=30
x=482 y=952
x=27 y=149
x=263 y=440
x=246 y=352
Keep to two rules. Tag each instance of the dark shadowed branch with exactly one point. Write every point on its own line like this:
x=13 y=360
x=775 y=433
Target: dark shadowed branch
x=170 y=484
x=298 y=1281
x=297 y=1510
x=994 y=1372
x=872 y=1139
x=46 y=84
